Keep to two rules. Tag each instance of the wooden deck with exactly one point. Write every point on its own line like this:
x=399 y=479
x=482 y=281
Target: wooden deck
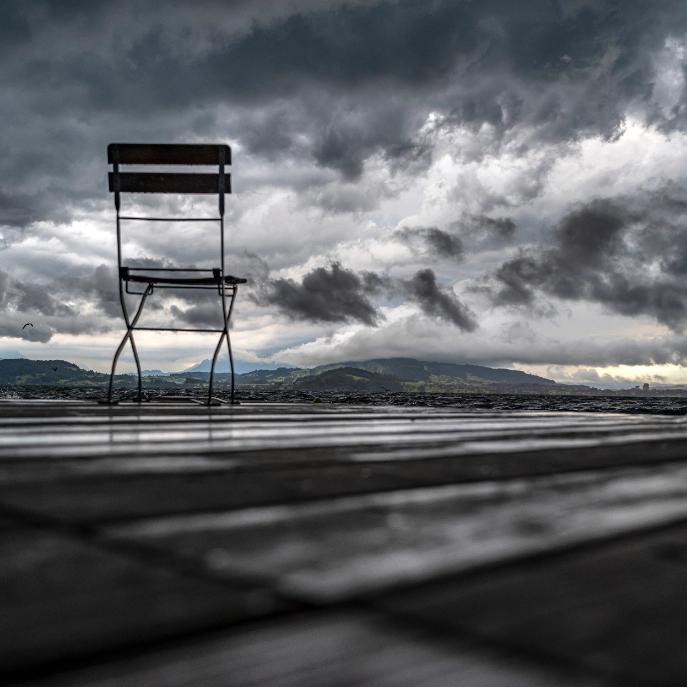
x=175 y=544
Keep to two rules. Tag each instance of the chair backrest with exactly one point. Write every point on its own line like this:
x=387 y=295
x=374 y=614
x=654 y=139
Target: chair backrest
x=166 y=182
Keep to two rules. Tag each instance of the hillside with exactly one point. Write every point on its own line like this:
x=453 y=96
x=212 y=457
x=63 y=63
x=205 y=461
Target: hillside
x=282 y=375
x=411 y=370
x=415 y=375
x=22 y=371
x=394 y=374
x=349 y=379
x=59 y=372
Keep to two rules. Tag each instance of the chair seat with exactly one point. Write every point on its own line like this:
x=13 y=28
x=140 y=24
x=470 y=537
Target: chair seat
x=184 y=281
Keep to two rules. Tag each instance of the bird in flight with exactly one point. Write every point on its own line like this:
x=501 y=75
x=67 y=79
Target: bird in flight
x=28 y=324
x=55 y=369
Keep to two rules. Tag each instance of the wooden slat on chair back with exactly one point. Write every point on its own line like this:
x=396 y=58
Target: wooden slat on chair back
x=167 y=154
x=154 y=182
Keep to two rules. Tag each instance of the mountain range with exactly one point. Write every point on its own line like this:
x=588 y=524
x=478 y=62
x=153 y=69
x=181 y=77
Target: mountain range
x=393 y=374
x=412 y=370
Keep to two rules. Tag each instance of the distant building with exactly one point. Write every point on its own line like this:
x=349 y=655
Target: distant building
x=645 y=387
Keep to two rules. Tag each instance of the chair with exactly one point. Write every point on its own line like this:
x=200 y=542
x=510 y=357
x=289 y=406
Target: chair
x=143 y=281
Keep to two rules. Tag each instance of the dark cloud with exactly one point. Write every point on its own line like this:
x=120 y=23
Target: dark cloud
x=437 y=243
x=324 y=295
x=437 y=302
x=14 y=328
x=28 y=298
x=338 y=294
x=628 y=254
x=34 y=298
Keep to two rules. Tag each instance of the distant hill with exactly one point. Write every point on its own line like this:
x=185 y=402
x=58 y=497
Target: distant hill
x=405 y=374
x=281 y=375
x=412 y=370
x=349 y=379
x=393 y=374
x=25 y=371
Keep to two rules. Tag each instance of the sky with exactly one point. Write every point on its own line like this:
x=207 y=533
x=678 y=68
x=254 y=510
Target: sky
x=488 y=182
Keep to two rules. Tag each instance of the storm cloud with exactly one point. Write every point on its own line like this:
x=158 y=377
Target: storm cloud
x=337 y=294
x=324 y=295
x=438 y=302
x=627 y=254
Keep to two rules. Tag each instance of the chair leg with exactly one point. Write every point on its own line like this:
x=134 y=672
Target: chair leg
x=231 y=356
x=130 y=324
x=212 y=367
x=225 y=333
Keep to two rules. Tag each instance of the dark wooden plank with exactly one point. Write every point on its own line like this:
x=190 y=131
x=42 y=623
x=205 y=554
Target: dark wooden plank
x=384 y=438
x=156 y=182
x=620 y=608
x=318 y=650
x=63 y=598
x=163 y=461
x=350 y=547
x=89 y=491
x=167 y=153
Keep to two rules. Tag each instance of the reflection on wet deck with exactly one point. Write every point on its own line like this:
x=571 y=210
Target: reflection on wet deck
x=314 y=545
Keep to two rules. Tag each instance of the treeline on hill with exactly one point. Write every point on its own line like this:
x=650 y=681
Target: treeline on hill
x=59 y=372
x=412 y=370
x=349 y=379
x=22 y=371
x=391 y=374
x=399 y=374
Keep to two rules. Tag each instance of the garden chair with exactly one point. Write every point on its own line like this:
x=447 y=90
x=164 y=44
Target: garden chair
x=142 y=281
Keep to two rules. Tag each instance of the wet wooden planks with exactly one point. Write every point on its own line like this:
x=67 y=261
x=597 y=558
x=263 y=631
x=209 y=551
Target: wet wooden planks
x=352 y=647
x=339 y=549
x=99 y=463
x=449 y=547
x=63 y=596
x=619 y=609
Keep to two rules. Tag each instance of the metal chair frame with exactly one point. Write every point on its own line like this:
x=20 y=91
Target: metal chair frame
x=155 y=182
